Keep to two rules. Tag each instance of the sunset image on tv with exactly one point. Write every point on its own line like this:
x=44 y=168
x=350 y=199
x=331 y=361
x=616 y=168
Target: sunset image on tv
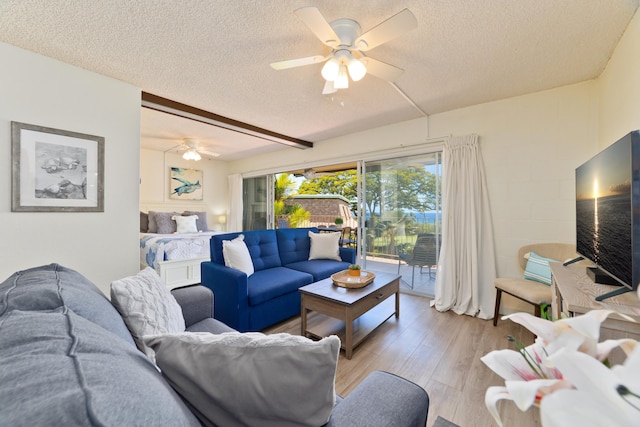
x=603 y=211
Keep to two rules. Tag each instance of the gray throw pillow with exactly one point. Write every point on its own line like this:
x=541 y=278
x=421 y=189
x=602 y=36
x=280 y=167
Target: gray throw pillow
x=147 y=306
x=59 y=369
x=251 y=379
x=144 y=222
x=153 y=227
x=202 y=219
x=165 y=223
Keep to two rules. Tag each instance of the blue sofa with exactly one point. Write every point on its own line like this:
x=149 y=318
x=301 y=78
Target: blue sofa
x=270 y=295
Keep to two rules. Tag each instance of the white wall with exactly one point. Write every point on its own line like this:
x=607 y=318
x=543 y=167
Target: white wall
x=619 y=88
x=338 y=150
x=154 y=185
x=41 y=91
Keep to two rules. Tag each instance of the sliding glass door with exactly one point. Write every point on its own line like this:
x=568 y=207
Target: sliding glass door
x=257 y=205
x=396 y=207
x=402 y=218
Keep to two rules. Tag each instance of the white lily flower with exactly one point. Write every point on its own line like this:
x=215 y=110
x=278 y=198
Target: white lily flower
x=582 y=331
x=530 y=373
x=523 y=393
x=524 y=365
x=527 y=377
x=601 y=396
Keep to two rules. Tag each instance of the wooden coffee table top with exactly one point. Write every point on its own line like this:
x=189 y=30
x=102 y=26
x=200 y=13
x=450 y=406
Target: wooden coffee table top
x=327 y=290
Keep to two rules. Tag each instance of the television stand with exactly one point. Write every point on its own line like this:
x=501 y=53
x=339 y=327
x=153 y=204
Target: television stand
x=621 y=290
x=573 y=294
x=600 y=277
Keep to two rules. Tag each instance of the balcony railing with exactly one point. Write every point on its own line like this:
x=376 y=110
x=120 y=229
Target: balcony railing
x=315 y=221
x=385 y=239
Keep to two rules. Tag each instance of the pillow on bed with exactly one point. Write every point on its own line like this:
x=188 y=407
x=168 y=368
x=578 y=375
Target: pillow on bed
x=160 y=222
x=144 y=222
x=152 y=226
x=185 y=224
x=165 y=223
x=202 y=219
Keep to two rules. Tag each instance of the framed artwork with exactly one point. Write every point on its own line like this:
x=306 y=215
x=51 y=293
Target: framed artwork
x=56 y=170
x=185 y=184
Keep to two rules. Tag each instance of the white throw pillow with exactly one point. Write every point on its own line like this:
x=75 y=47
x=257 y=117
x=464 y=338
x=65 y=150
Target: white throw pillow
x=251 y=379
x=147 y=307
x=236 y=255
x=324 y=246
x=186 y=224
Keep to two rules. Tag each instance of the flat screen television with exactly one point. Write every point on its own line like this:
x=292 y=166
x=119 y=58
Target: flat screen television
x=608 y=214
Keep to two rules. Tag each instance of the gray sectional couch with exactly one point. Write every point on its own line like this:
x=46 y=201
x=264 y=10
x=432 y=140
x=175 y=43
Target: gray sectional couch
x=67 y=358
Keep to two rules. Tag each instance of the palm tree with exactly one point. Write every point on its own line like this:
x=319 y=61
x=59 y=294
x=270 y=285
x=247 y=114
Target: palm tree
x=282 y=190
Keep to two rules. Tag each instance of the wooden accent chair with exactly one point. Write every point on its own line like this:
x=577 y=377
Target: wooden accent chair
x=530 y=291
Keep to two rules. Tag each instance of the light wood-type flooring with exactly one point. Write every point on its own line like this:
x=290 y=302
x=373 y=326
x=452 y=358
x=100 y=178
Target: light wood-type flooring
x=441 y=353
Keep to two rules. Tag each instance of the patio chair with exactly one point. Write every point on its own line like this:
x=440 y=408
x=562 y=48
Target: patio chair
x=424 y=254
x=345 y=238
x=283 y=223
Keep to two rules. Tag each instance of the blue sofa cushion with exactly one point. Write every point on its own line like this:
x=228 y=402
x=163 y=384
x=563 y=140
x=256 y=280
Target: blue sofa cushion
x=60 y=369
x=51 y=286
x=319 y=268
x=262 y=245
x=268 y=284
x=294 y=244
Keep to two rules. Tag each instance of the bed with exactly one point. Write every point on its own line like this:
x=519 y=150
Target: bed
x=174 y=254
x=175 y=257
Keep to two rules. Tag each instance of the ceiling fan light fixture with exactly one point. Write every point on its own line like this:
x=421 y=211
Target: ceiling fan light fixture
x=330 y=70
x=342 y=81
x=191 y=154
x=357 y=70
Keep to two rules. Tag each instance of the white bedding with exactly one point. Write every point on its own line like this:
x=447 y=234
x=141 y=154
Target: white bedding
x=155 y=248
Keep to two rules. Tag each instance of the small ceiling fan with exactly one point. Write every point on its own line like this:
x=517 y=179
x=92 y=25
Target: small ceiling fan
x=192 y=150
x=347 y=47
x=311 y=174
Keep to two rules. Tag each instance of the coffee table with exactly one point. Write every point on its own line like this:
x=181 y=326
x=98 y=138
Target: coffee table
x=352 y=314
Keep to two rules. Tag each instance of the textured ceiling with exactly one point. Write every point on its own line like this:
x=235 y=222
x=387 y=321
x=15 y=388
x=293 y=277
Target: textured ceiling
x=215 y=55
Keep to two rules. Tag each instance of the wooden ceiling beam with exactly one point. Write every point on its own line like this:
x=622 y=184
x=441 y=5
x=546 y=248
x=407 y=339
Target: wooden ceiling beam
x=165 y=105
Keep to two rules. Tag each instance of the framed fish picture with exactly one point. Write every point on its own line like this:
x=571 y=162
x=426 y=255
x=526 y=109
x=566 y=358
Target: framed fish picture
x=55 y=170
x=185 y=184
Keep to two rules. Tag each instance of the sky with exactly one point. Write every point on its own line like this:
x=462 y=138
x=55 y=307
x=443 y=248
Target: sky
x=606 y=174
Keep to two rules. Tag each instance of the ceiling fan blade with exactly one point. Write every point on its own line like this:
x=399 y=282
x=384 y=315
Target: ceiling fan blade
x=208 y=153
x=398 y=24
x=299 y=62
x=328 y=88
x=312 y=17
x=381 y=69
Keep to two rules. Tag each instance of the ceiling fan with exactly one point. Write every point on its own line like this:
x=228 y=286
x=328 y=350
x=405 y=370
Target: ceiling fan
x=347 y=45
x=192 y=150
x=311 y=174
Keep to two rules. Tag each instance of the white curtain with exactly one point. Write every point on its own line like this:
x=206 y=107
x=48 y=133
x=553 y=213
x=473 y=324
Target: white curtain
x=234 y=217
x=467 y=267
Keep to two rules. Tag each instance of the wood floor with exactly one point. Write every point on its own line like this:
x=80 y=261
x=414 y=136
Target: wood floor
x=441 y=353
